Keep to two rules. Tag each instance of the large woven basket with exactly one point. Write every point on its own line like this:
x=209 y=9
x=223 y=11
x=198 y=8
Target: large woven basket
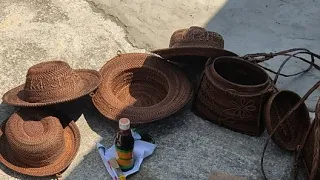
x=232 y=93
x=141 y=87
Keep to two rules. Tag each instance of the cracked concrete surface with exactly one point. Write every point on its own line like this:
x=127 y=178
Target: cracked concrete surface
x=87 y=33
x=151 y=23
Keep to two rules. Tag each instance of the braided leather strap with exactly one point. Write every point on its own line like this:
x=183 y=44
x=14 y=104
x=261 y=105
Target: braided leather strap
x=285 y=118
x=261 y=57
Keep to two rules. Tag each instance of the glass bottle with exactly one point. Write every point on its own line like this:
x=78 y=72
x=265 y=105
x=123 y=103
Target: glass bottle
x=124 y=144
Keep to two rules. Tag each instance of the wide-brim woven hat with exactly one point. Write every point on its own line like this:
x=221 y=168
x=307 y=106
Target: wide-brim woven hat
x=141 y=87
x=35 y=143
x=292 y=131
x=52 y=82
x=194 y=41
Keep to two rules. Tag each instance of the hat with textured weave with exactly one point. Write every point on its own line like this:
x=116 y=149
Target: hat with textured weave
x=52 y=82
x=194 y=41
x=35 y=143
x=141 y=87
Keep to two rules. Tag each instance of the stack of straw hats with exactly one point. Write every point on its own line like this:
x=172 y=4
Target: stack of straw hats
x=35 y=140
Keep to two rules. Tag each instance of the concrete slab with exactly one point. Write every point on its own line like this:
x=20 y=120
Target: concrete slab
x=88 y=33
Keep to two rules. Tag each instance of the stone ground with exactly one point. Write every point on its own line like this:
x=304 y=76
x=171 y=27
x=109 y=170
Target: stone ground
x=87 y=33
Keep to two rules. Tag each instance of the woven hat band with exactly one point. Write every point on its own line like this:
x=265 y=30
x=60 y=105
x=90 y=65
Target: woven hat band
x=196 y=37
x=34 y=143
x=48 y=89
x=209 y=44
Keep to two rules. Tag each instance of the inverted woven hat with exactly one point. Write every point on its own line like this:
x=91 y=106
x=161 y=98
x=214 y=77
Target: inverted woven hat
x=141 y=87
x=52 y=82
x=194 y=41
x=292 y=131
x=35 y=143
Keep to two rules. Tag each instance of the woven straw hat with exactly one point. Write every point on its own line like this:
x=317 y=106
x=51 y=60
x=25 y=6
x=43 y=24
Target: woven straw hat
x=291 y=133
x=194 y=41
x=52 y=82
x=141 y=87
x=35 y=143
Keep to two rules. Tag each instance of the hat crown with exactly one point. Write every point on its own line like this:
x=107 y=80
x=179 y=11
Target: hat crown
x=50 y=80
x=196 y=37
x=35 y=139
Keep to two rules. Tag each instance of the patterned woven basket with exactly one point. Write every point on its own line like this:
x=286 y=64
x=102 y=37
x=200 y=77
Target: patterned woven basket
x=141 y=87
x=232 y=93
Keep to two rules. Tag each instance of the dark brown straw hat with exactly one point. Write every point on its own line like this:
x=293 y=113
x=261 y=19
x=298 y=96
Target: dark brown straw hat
x=52 y=82
x=292 y=131
x=141 y=87
x=35 y=143
x=194 y=41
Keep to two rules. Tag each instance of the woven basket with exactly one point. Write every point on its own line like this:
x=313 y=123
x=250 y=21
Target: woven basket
x=232 y=93
x=141 y=87
x=311 y=149
x=291 y=133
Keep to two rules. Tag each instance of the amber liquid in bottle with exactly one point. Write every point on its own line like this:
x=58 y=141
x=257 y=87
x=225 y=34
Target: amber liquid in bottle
x=124 y=144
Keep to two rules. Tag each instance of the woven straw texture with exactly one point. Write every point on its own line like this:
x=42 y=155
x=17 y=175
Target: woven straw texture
x=141 y=87
x=292 y=131
x=311 y=150
x=52 y=82
x=194 y=41
x=35 y=143
x=232 y=93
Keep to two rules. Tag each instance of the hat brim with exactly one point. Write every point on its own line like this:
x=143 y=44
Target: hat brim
x=72 y=143
x=91 y=80
x=168 y=53
x=178 y=94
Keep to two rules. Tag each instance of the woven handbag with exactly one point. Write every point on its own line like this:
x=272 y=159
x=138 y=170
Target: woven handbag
x=311 y=150
x=231 y=93
x=286 y=116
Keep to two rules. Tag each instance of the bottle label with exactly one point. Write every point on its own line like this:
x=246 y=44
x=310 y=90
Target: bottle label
x=125 y=158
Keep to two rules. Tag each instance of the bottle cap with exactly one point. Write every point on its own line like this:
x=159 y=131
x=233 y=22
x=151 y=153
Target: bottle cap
x=124 y=124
